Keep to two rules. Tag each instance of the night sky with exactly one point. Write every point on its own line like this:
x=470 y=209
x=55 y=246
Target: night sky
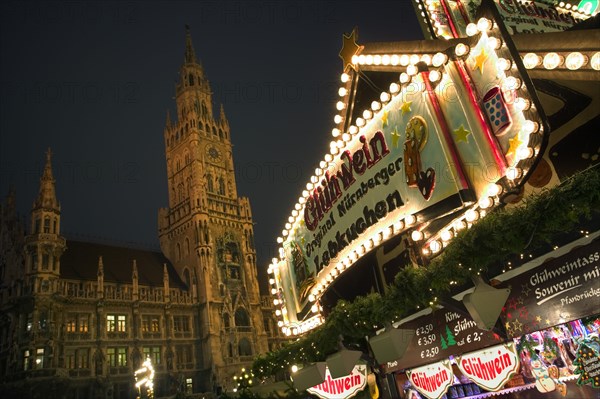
x=94 y=80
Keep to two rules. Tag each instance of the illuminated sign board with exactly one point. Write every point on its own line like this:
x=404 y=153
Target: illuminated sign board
x=456 y=131
x=343 y=387
x=490 y=368
x=433 y=380
x=449 y=18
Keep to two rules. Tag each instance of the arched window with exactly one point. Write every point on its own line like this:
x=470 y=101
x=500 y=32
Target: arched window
x=186 y=277
x=178 y=251
x=244 y=347
x=241 y=318
x=191 y=79
x=187 y=246
x=46 y=224
x=214 y=130
x=230 y=349
x=221 y=186
x=220 y=133
x=209 y=181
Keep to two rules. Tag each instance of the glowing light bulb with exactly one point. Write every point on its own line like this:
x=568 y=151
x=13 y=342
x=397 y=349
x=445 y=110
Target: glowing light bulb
x=345 y=77
x=446 y=235
x=375 y=105
x=513 y=173
x=486 y=202
x=522 y=104
x=342 y=91
x=338 y=119
x=435 y=75
x=484 y=24
x=471 y=215
x=394 y=88
x=595 y=61
x=439 y=59
x=412 y=70
x=416 y=235
x=530 y=126
x=472 y=29
x=409 y=220
x=504 y=64
x=552 y=60
x=435 y=246
x=340 y=105
x=384 y=97
x=531 y=60
x=461 y=49
x=524 y=152
x=575 y=61
x=404 y=77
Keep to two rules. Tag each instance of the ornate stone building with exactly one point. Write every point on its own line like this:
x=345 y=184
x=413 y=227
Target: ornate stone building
x=78 y=318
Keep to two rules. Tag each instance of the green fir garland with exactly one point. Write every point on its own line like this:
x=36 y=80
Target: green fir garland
x=504 y=232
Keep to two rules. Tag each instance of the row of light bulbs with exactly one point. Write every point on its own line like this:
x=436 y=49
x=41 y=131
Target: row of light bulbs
x=573 y=61
x=579 y=12
x=431 y=9
x=342 y=138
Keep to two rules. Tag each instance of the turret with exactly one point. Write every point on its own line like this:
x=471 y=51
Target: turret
x=44 y=245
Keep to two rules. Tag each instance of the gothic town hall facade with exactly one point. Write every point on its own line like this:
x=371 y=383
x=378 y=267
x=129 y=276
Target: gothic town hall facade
x=78 y=318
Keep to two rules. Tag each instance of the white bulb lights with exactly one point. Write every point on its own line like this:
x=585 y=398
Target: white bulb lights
x=346 y=137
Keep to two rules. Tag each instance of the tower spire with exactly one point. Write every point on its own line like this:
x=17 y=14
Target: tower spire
x=47 y=195
x=190 y=54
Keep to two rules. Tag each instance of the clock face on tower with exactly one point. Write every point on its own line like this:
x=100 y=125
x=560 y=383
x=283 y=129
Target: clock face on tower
x=213 y=153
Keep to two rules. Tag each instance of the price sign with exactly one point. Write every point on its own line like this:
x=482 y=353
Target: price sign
x=441 y=334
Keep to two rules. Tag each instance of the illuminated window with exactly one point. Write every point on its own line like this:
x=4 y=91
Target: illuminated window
x=71 y=323
x=150 y=323
x=77 y=323
x=83 y=322
x=117 y=357
x=39 y=358
x=189 y=385
x=116 y=323
x=29 y=322
x=152 y=352
x=26 y=360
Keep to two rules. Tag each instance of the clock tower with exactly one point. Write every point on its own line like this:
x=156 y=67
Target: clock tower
x=207 y=231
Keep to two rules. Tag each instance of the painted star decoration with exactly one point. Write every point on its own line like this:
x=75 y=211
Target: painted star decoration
x=538 y=319
x=480 y=60
x=384 y=118
x=517 y=325
x=405 y=108
x=525 y=289
x=395 y=136
x=461 y=134
x=514 y=143
x=349 y=49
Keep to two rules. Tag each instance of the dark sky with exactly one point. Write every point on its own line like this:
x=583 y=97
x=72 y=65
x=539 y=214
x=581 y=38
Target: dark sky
x=94 y=80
